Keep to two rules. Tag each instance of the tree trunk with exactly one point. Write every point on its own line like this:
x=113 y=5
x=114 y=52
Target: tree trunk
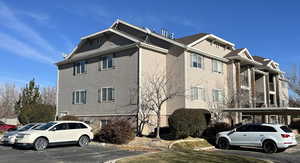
x=158 y=126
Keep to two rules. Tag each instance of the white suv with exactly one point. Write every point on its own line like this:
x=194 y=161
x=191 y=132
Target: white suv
x=271 y=137
x=54 y=133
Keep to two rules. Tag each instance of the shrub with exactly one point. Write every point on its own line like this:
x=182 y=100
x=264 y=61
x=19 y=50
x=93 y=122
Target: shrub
x=295 y=124
x=36 y=113
x=187 y=122
x=117 y=131
x=216 y=128
x=69 y=118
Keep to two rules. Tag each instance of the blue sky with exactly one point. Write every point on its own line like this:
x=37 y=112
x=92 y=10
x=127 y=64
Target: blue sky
x=34 y=34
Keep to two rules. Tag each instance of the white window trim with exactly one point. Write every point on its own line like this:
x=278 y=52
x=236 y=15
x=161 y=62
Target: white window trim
x=198 y=57
x=201 y=95
x=84 y=62
x=220 y=66
x=80 y=100
x=113 y=95
x=222 y=94
x=101 y=68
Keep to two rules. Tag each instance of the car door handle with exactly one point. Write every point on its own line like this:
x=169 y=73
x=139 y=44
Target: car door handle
x=244 y=135
x=261 y=135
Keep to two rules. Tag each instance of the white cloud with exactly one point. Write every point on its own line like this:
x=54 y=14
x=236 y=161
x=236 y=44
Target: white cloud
x=20 y=48
x=9 y=20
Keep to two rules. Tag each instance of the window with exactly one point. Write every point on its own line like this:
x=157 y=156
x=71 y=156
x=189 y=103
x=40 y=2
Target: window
x=104 y=123
x=266 y=129
x=217 y=66
x=79 y=97
x=197 y=61
x=79 y=68
x=243 y=128
x=76 y=126
x=62 y=126
x=197 y=93
x=106 y=62
x=217 y=95
x=286 y=129
x=106 y=94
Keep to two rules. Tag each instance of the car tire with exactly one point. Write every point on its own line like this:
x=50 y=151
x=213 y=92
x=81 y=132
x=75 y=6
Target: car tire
x=223 y=143
x=281 y=150
x=40 y=144
x=269 y=147
x=83 y=141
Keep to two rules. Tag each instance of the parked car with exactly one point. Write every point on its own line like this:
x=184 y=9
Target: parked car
x=10 y=136
x=55 y=133
x=270 y=137
x=7 y=127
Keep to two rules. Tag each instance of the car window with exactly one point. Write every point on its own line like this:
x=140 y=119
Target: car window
x=62 y=126
x=243 y=128
x=26 y=127
x=266 y=129
x=82 y=125
x=286 y=129
x=76 y=126
x=45 y=126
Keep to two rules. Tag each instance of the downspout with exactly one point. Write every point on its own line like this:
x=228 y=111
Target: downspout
x=57 y=91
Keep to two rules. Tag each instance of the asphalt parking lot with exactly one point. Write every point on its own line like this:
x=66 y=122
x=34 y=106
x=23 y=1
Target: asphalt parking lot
x=62 y=154
x=291 y=155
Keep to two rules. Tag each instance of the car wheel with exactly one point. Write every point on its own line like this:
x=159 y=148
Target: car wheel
x=83 y=141
x=269 y=147
x=40 y=144
x=281 y=150
x=223 y=143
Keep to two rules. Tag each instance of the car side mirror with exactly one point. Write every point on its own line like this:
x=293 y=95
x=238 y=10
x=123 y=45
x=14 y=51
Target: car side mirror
x=53 y=129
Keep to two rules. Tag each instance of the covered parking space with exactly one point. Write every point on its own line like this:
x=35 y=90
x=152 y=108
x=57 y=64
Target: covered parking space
x=263 y=115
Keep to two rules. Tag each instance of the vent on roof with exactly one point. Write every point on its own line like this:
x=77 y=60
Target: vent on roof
x=167 y=34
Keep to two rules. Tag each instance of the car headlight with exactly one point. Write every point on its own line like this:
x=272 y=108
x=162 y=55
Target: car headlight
x=22 y=135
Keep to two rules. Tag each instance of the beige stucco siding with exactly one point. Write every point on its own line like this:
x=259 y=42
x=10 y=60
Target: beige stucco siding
x=212 y=49
x=205 y=78
x=152 y=64
x=176 y=72
x=123 y=78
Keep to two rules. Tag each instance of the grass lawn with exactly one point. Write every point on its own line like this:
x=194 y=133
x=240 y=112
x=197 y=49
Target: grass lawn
x=189 y=156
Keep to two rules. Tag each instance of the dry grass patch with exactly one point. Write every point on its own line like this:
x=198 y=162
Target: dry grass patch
x=191 y=145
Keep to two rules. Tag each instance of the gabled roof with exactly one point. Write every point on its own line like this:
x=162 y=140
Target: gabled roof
x=197 y=38
x=190 y=39
x=262 y=60
x=239 y=52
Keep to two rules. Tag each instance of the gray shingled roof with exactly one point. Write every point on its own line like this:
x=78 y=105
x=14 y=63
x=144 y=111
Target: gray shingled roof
x=234 y=52
x=192 y=38
x=261 y=60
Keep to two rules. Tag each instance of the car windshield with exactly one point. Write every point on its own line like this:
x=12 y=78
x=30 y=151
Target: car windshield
x=45 y=126
x=26 y=127
x=286 y=129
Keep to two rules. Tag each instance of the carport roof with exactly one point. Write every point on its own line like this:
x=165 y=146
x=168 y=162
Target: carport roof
x=265 y=111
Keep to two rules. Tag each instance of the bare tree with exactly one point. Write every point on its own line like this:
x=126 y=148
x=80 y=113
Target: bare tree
x=294 y=80
x=49 y=95
x=216 y=107
x=155 y=92
x=8 y=97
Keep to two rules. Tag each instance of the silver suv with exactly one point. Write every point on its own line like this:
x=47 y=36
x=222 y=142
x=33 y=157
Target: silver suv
x=270 y=137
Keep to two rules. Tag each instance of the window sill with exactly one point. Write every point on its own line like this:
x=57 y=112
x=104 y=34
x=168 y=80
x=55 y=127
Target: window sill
x=107 y=69
x=107 y=102
x=79 y=104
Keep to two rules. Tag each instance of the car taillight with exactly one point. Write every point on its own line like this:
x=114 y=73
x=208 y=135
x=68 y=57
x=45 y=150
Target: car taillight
x=285 y=135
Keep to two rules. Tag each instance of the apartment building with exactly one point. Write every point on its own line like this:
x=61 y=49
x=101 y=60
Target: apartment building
x=99 y=79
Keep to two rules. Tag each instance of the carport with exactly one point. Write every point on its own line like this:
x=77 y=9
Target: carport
x=265 y=115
